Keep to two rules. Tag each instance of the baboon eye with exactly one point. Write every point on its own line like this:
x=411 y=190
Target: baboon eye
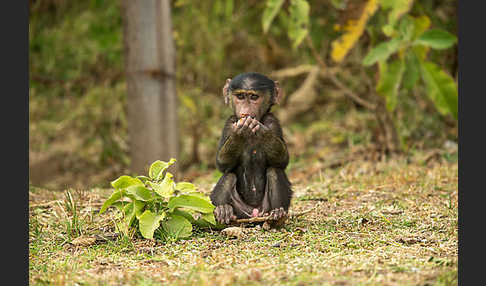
x=254 y=97
x=240 y=96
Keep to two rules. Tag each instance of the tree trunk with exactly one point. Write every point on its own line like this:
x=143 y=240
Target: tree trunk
x=150 y=70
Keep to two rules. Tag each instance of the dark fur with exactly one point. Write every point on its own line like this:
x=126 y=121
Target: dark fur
x=253 y=165
x=252 y=80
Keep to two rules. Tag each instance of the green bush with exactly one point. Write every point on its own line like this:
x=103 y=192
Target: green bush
x=158 y=205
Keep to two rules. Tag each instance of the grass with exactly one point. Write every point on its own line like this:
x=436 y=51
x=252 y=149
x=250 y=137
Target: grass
x=383 y=222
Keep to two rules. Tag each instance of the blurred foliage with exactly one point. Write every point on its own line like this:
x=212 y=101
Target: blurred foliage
x=410 y=40
x=77 y=83
x=158 y=205
x=352 y=32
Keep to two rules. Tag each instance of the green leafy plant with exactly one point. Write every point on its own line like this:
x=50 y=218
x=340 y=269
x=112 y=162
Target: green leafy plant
x=298 y=19
x=409 y=39
x=72 y=222
x=402 y=59
x=159 y=206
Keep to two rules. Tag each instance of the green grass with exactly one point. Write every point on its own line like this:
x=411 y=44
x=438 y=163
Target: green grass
x=391 y=223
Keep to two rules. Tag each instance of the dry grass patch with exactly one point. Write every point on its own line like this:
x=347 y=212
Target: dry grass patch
x=391 y=222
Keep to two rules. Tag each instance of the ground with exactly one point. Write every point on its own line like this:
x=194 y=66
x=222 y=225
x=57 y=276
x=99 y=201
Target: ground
x=377 y=221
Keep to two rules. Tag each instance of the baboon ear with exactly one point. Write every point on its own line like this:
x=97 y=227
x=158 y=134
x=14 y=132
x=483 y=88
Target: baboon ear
x=225 y=91
x=278 y=93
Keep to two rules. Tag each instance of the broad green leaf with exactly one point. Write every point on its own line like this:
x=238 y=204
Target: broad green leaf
x=149 y=222
x=157 y=187
x=436 y=39
x=382 y=51
x=412 y=71
x=209 y=217
x=115 y=196
x=144 y=179
x=166 y=188
x=138 y=208
x=185 y=187
x=389 y=82
x=177 y=226
x=132 y=210
x=197 y=218
x=201 y=223
x=185 y=213
x=190 y=202
x=126 y=181
x=140 y=193
x=158 y=167
x=199 y=195
x=120 y=205
x=298 y=21
x=441 y=88
x=271 y=10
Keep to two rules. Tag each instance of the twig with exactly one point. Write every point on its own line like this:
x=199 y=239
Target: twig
x=253 y=219
x=302 y=99
x=269 y=218
x=315 y=53
x=292 y=71
x=297 y=214
x=350 y=93
x=335 y=80
x=48 y=204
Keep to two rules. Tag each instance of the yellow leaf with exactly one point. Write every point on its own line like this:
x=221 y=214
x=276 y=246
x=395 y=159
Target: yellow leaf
x=341 y=46
x=189 y=103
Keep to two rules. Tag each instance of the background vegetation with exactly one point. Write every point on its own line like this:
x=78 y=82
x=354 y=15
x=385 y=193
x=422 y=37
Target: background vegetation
x=78 y=125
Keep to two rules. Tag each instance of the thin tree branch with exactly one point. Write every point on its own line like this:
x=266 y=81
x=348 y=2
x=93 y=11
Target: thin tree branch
x=292 y=71
x=335 y=80
x=350 y=93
